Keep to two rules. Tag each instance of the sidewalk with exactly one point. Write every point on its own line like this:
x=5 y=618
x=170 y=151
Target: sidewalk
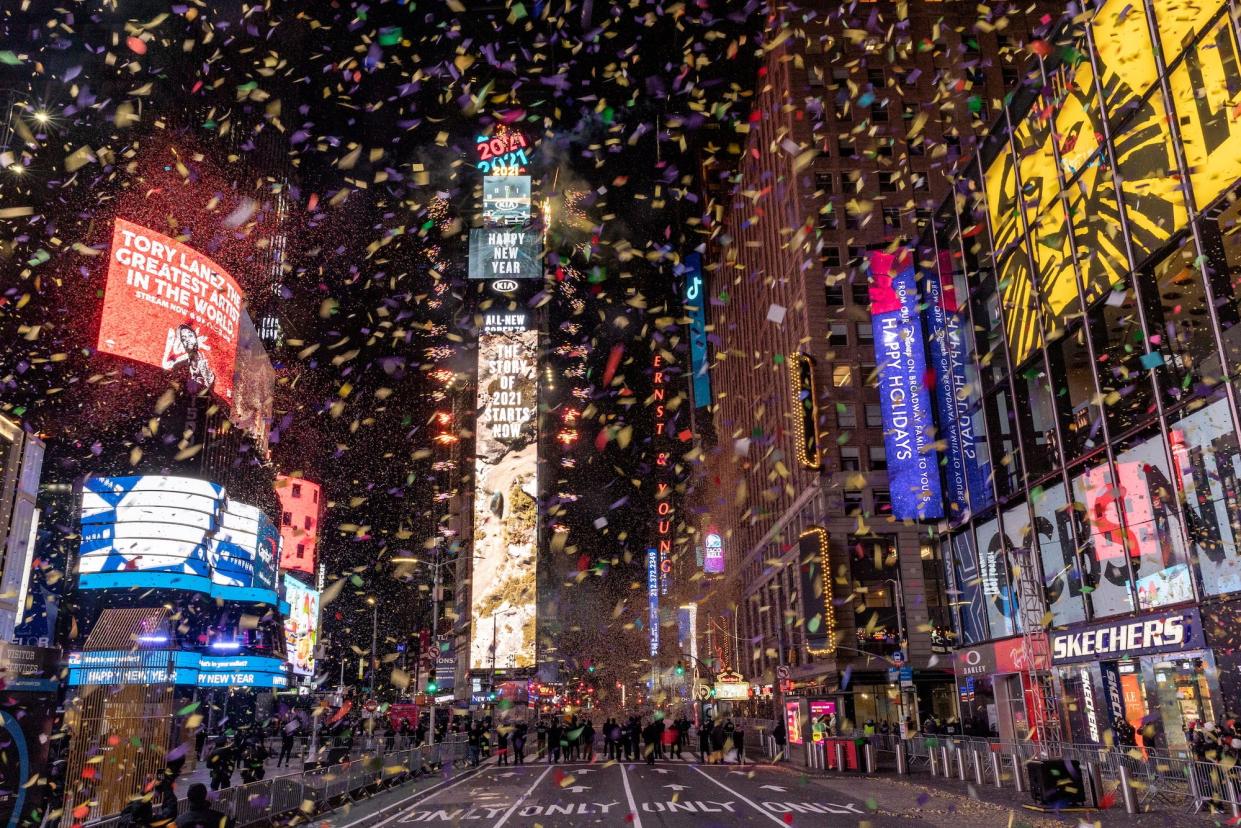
x=924 y=797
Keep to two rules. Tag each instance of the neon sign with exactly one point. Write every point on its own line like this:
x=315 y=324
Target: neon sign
x=505 y=153
x=663 y=490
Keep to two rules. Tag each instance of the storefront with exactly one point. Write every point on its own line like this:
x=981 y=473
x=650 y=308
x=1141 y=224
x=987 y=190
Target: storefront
x=991 y=690
x=1153 y=672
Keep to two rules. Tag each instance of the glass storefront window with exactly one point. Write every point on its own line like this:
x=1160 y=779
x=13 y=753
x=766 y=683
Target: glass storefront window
x=1207 y=458
x=1178 y=316
x=993 y=577
x=1038 y=421
x=1003 y=433
x=989 y=334
x=1103 y=551
x=1119 y=345
x=1080 y=419
x=970 y=612
x=1221 y=236
x=1062 y=576
x=1152 y=528
x=1178 y=692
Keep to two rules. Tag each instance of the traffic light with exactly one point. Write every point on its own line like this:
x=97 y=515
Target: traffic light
x=680 y=669
x=432 y=686
x=590 y=669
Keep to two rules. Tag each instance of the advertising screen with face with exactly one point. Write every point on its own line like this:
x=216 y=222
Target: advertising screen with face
x=301 y=625
x=167 y=305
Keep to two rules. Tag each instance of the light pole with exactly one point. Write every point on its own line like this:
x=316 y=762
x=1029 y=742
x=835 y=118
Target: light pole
x=370 y=599
x=900 y=634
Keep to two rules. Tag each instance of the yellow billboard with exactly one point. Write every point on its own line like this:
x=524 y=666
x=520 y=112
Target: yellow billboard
x=1206 y=87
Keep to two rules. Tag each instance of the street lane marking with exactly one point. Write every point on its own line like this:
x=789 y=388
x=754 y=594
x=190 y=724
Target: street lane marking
x=633 y=806
x=740 y=796
x=400 y=805
x=522 y=798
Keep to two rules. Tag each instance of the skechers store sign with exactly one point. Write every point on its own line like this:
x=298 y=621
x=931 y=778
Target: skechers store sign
x=183 y=667
x=1169 y=632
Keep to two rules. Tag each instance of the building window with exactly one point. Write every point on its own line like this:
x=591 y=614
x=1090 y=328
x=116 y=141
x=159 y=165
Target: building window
x=853 y=502
x=301 y=551
x=874 y=415
x=847 y=149
x=853 y=220
x=846 y=415
x=307 y=523
x=850 y=458
x=878 y=114
x=876 y=78
x=870 y=375
x=878 y=458
x=839 y=333
x=887 y=182
x=828 y=219
x=297 y=489
x=908 y=112
x=922 y=217
x=861 y=294
x=286 y=519
x=835 y=293
x=865 y=332
x=831 y=256
x=842 y=376
x=825 y=181
x=856 y=255
x=883 y=502
x=891 y=219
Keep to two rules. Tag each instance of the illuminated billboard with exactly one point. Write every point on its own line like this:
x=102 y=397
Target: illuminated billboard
x=505 y=253
x=956 y=399
x=505 y=502
x=652 y=600
x=301 y=625
x=167 y=305
x=805 y=410
x=694 y=301
x=815 y=579
x=713 y=553
x=505 y=153
x=506 y=199
x=299 y=522
x=160 y=532
x=184 y=667
x=913 y=464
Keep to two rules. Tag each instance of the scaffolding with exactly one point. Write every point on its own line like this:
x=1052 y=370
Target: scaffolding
x=1042 y=709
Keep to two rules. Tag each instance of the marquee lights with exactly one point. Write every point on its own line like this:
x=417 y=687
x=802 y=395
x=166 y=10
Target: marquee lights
x=813 y=549
x=806 y=410
x=505 y=153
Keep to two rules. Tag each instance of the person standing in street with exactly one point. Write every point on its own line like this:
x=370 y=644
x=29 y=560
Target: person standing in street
x=587 y=741
x=288 y=737
x=554 y=737
x=780 y=736
x=704 y=740
x=519 y=744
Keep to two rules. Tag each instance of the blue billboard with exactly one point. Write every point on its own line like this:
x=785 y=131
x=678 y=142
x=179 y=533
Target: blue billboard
x=184 y=667
x=957 y=404
x=652 y=593
x=913 y=465
x=694 y=301
x=162 y=532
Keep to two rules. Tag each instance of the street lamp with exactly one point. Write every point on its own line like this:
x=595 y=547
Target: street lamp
x=370 y=599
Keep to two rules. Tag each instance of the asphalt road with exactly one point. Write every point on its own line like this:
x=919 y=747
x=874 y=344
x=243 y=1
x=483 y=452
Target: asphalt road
x=670 y=794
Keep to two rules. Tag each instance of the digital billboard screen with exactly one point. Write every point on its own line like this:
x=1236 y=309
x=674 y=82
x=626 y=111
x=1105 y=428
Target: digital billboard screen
x=301 y=625
x=713 y=553
x=506 y=199
x=505 y=253
x=505 y=502
x=154 y=531
x=167 y=305
x=815 y=579
x=299 y=522
x=913 y=464
x=185 y=667
x=694 y=302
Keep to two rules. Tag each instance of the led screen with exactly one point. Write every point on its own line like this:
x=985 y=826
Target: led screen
x=506 y=199
x=178 y=666
x=167 y=305
x=505 y=502
x=301 y=625
x=163 y=532
x=505 y=253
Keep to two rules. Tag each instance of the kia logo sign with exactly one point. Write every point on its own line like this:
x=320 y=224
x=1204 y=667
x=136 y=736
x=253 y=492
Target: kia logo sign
x=504 y=285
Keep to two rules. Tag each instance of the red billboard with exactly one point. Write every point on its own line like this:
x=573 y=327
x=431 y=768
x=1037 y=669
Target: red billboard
x=169 y=306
